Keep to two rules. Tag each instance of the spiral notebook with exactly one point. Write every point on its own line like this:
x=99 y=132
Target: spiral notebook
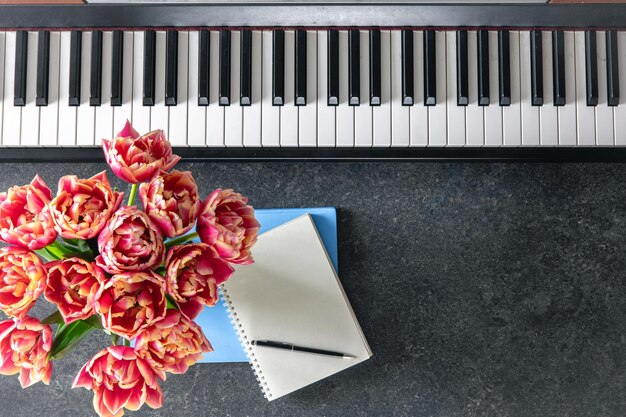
x=292 y=294
x=215 y=322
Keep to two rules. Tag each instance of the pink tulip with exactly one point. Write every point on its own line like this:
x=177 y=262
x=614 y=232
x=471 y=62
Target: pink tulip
x=172 y=344
x=171 y=201
x=120 y=379
x=130 y=242
x=22 y=280
x=83 y=206
x=227 y=223
x=24 y=347
x=193 y=273
x=25 y=219
x=135 y=158
x=72 y=286
x=130 y=302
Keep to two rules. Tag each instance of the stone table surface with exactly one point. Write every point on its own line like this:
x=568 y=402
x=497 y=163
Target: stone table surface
x=484 y=289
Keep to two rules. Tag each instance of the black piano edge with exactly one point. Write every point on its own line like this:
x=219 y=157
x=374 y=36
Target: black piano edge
x=357 y=154
x=313 y=15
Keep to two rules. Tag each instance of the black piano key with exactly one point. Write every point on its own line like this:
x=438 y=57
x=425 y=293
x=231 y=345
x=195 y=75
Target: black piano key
x=407 y=68
x=171 y=67
x=375 y=66
x=558 y=67
x=76 y=41
x=612 y=68
x=278 y=68
x=536 y=68
x=245 y=63
x=591 y=67
x=117 y=65
x=204 y=50
x=149 y=61
x=96 y=68
x=21 y=59
x=462 y=89
x=224 y=93
x=504 y=67
x=483 y=67
x=43 y=67
x=300 y=78
x=333 y=68
x=354 y=68
x=430 y=69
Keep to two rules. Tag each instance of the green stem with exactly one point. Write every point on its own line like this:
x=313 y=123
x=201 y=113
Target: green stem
x=126 y=342
x=133 y=193
x=180 y=239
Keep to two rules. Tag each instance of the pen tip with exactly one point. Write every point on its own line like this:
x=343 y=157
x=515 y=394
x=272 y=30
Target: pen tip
x=346 y=356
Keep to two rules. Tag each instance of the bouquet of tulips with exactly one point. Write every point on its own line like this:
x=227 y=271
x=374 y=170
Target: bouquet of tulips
x=132 y=273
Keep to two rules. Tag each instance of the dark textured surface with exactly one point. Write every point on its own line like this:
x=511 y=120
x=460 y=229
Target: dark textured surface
x=483 y=289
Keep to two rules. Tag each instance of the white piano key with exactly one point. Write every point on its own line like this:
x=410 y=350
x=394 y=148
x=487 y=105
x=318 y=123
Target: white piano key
x=418 y=112
x=530 y=113
x=2 y=48
x=10 y=113
x=252 y=113
x=85 y=114
x=455 y=114
x=125 y=112
x=345 y=112
x=307 y=115
x=382 y=114
x=159 y=113
x=140 y=113
x=196 y=114
x=178 y=113
x=493 y=112
x=49 y=115
x=326 y=119
x=567 y=113
x=604 y=113
x=270 y=122
x=289 y=111
x=511 y=115
x=437 y=114
x=585 y=115
x=474 y=114
x=67 y=113
x=548 y=112
x=104 y=113
x=233 y=114
x=400 y=119
x=363 y=112
x=30 y=112
x=619 y=112
x=214 y=112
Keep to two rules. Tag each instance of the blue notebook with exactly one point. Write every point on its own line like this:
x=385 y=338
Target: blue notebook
x=214 y=320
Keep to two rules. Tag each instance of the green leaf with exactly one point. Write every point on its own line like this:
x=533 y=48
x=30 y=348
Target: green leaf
x=171 y=304
x=61 y=326
x=54 y=318
x=46 y=255
x=69 y=336
x=114 y=339
x=95 y=322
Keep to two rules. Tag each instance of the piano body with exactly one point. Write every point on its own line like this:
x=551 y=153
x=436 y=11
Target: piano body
x=332 y=81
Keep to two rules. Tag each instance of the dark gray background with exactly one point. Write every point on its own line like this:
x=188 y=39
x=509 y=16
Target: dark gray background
x=483 y=290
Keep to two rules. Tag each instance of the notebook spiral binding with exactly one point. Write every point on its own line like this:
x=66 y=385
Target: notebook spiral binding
x=247 y=346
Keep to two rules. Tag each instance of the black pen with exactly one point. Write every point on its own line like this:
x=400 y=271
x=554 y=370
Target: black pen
x=289 y=346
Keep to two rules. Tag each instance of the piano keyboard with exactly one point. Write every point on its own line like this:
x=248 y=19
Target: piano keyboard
x=242 y=91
